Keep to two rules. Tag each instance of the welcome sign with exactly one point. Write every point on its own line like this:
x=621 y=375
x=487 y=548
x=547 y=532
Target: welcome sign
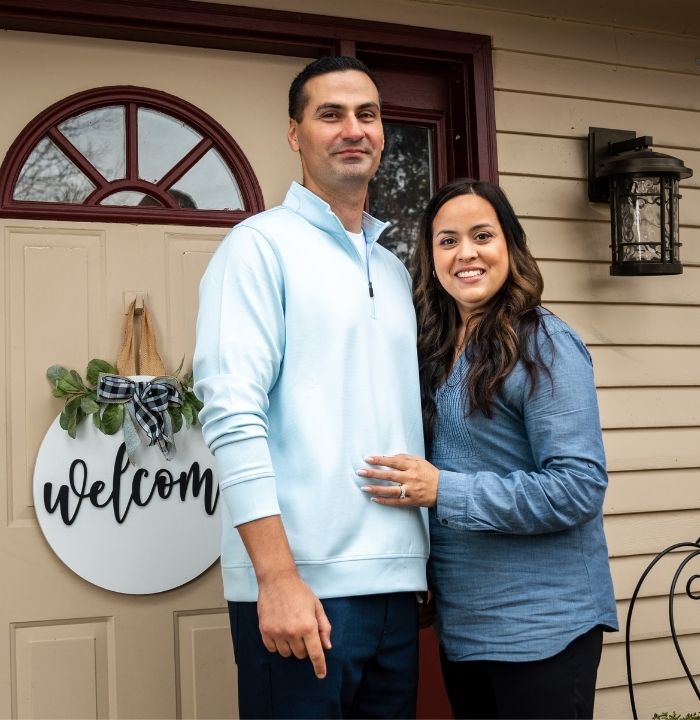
x=132 y=528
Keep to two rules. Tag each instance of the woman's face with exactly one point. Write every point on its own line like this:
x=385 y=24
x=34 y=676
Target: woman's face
x=470 y=253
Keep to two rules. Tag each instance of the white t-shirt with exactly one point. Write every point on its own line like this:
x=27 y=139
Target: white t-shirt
x=358 y=240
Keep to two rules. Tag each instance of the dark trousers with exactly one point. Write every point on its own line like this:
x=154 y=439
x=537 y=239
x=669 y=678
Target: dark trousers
x=372 y=666
x=562 y=686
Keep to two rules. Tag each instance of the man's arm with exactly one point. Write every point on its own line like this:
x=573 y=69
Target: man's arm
x=291 y=617
x=239 y=351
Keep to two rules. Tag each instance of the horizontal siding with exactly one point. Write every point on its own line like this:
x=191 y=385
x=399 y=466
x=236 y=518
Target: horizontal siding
x=637 y=407
x=525 y=112
x=628 y=324
x=627 y=570
x=647 y=533
x=573 y=77
x=646 y=491
x=628 y=366
x=566 y=157
x=652 y=697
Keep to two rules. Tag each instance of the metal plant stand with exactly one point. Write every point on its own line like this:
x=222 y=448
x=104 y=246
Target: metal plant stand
x=692 y=551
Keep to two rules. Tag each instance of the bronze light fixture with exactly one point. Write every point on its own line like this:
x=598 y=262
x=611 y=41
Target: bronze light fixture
x=642 y=188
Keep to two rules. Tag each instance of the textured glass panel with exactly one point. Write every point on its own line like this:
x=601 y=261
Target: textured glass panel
x=163 y=141
x=100 y=135
x=131 y=198
x=402 y=187
x=640 y=215
x=209 y=185
x=49 y=176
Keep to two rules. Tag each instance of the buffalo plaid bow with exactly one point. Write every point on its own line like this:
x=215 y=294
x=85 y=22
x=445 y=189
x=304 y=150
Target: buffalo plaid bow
x=146 y=403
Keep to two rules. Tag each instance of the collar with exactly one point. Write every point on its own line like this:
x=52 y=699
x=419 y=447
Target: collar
x=318 y=212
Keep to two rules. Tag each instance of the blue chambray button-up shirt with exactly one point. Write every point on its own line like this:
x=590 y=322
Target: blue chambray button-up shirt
x=519 y=564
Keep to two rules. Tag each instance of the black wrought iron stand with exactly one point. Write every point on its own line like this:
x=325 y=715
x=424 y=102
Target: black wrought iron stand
x=693 y=550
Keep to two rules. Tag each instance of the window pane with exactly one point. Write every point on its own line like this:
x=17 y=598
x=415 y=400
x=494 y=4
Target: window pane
x=49 y=176
x=101 y=137
x=162 y=142
x=402 y=187
x=131 y=198
x=209 y=185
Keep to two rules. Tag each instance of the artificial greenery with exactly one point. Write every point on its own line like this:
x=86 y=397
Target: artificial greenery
x=81 y=399
x=676 y=716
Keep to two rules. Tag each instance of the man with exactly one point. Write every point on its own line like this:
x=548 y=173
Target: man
x=306 y=363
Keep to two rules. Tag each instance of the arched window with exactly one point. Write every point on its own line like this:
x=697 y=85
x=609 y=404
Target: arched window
x=125 y=154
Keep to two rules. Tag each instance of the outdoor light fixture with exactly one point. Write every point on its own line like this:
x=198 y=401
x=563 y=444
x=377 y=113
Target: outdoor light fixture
x=642 y=188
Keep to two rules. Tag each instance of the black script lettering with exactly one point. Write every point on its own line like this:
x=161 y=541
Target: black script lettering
x=63 y=494
x=211 y=493
x=163 y=484
x=136 y=489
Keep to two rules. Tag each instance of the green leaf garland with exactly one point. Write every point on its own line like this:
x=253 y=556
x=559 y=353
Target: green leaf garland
x=81 y=399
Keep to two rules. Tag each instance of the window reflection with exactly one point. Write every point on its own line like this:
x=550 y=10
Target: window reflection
x=49 y=176
x=210 y=185
x=163 y=141
x=403 y=185
x=100 y=136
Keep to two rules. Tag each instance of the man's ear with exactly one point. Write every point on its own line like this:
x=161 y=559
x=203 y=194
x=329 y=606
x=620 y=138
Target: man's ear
x=292 y=135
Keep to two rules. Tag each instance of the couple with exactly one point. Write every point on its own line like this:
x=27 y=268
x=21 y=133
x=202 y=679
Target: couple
x=306 y=363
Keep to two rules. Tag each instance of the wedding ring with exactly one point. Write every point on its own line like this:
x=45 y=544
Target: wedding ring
x=402 y=492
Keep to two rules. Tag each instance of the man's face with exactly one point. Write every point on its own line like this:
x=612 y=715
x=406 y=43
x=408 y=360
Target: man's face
x=340 y=137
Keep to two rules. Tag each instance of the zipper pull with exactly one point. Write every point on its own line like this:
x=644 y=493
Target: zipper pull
x=371 y=289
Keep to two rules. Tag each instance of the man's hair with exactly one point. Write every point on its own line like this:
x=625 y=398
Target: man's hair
x=322 y=66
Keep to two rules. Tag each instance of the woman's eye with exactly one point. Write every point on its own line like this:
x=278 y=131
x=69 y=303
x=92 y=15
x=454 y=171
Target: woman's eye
x=447 y=241
x=483 y=237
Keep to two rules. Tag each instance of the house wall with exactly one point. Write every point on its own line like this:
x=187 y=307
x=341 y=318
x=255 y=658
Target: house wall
x=553 y=79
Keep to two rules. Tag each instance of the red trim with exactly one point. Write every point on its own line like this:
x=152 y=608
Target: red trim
x=186 y=163
x=76 y=157
x=132 y=98
x=132 y=142
x=95 y=198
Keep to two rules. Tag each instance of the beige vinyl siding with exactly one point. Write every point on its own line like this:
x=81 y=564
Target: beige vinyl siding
x=643 y=333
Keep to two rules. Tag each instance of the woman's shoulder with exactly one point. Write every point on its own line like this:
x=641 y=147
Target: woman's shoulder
x=558 y=334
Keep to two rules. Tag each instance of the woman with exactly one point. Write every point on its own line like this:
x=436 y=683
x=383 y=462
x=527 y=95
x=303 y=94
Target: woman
x=516 y=478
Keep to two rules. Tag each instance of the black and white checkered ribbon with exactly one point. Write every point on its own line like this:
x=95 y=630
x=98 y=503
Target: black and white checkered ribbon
x=147 y=403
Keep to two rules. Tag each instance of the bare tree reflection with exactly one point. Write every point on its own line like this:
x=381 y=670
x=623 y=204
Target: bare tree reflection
x=402 y=187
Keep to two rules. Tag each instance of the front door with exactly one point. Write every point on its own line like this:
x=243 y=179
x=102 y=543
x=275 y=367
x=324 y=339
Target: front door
x=75 y=649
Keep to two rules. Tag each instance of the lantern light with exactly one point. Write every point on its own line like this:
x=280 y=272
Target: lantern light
x=642 y=188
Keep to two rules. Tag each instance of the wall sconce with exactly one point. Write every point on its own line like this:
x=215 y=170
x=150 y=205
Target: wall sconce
x=642 y=188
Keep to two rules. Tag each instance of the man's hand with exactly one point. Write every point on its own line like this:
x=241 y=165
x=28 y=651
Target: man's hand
x=292 y=619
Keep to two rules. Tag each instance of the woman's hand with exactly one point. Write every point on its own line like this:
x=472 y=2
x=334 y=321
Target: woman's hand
x=415 y=480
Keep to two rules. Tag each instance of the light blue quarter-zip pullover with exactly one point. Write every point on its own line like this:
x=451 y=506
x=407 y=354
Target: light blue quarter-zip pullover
x=306 y=363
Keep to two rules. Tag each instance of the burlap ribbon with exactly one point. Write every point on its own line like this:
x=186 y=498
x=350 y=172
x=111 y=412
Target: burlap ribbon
x=145 y=402
x=147 y=360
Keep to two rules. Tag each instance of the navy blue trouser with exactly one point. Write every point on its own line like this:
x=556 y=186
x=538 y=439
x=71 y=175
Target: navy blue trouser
x=561 y=686
x=372 y=666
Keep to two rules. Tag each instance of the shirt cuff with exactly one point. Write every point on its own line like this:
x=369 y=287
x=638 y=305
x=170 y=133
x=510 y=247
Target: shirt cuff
x=452 y=498
x=246 y=480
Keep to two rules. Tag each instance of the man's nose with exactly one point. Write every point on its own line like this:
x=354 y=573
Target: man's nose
x=352 y=128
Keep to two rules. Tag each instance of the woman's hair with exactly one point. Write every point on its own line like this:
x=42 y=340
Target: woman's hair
x=499 y=334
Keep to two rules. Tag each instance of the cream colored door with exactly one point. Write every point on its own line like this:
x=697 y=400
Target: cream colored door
x=74 y=650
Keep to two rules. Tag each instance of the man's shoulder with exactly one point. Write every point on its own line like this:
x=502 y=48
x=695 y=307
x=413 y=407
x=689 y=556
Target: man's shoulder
x=274 y=224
